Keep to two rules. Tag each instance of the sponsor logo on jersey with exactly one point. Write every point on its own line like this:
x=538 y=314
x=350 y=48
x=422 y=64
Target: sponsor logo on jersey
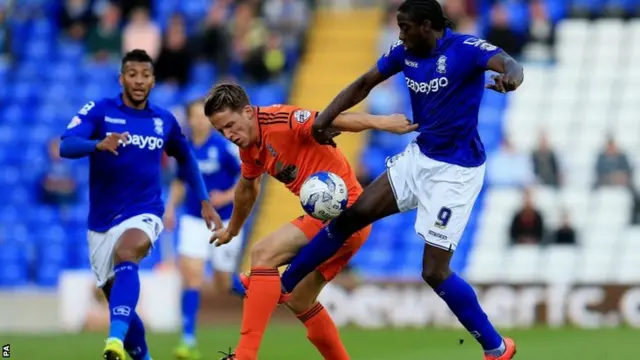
x=74 y=122
x=433 y=85
x=144 y=142
x=285 y=173
x=302 y=116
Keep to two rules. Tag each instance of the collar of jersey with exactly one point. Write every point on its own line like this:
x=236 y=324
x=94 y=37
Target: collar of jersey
x=445 y=36
x=150 y=108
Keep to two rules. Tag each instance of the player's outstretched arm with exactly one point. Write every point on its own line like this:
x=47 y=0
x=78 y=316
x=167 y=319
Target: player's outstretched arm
x=511 y=73
x=357 y=122
x=180 y=150
x=245 y=197
x=346 y=99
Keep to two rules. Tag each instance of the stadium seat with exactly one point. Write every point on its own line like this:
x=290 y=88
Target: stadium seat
x=523 y=263
x=558 y=264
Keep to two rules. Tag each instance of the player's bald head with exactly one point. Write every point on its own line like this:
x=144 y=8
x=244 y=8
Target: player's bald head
x=420 y=11
x=225 y=96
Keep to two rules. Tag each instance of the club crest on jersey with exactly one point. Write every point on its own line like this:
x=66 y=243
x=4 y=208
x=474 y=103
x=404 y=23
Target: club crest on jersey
x=441 y=64
x=74 y=122
x=302 y=116
x=158 y=125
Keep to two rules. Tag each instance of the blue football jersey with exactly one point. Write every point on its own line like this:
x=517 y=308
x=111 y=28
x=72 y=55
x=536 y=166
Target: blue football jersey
x=128 y=184
x=446 y=89
x=219 y=163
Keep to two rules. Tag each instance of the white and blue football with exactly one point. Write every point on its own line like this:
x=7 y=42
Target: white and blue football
x=324 y=195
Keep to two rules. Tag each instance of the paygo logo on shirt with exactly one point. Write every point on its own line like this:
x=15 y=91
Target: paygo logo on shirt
x=148 y=142
x=426 y=87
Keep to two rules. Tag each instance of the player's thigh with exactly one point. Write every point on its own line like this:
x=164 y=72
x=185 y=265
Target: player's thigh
x=192 y=271
x=305 y=295
x=401 y=177
x=448 y=194
x=135 y=237
x=278 y=247
x=376 y=202
x=193 y=238
x=227 y=258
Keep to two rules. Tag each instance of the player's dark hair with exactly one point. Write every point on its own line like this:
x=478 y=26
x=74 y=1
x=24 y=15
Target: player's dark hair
x=421 y=10
x=225 y=96
x=137 y=55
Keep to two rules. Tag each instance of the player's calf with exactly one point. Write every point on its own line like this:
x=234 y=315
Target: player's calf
x=132 y=246
x=461 y=299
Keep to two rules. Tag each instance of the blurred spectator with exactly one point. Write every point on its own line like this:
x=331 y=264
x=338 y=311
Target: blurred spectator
x=215 y=42
x=266 y=62
x=384 y=99
x=527 y=226
x=5 y=36
x=389 y=32
x=174 y=61
x=565 y=234
x=613 y=167
x=76 y=17
x=545 y=163
x=142 y=33
x=509 y=167
x=458 y=12
x=288 y=18
x=541 y=29
x=500 y=32
x=248 y=30
x=58 y=187
x=104 y=40
x=129 y=6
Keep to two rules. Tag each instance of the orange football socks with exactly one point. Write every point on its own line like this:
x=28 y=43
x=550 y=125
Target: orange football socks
x=260 y=302
x=322 y=332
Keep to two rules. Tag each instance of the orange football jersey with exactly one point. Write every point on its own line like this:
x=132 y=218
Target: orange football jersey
x=287 y=151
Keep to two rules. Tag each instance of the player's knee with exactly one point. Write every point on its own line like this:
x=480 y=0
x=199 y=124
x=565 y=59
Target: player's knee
x=263 y=255
x=299 y=304
x=133 y=246
x=435 y=276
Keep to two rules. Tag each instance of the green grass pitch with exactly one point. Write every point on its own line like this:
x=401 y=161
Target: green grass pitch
x=289 y=342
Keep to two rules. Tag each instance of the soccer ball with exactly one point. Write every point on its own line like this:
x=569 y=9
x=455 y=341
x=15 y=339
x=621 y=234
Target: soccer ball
x=324 y=195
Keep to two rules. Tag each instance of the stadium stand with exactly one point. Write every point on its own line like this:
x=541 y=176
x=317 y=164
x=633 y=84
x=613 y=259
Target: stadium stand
x=47 y=75
x=586 y=88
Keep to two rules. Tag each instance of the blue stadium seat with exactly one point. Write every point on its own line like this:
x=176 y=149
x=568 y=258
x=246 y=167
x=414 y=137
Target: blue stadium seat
x=70 y=52
x=592 y=6
x=11 y=114
x=203 y=73
x=165 y=95
x=14 y=274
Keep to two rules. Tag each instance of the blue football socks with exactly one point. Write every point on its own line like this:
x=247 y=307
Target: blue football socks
x=190 y=305
x=463 y=302
x=123 y=299
x=135 y=342
x=321 y=248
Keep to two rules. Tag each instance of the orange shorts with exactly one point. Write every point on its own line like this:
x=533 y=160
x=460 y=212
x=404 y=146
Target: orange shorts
x=332 y=267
